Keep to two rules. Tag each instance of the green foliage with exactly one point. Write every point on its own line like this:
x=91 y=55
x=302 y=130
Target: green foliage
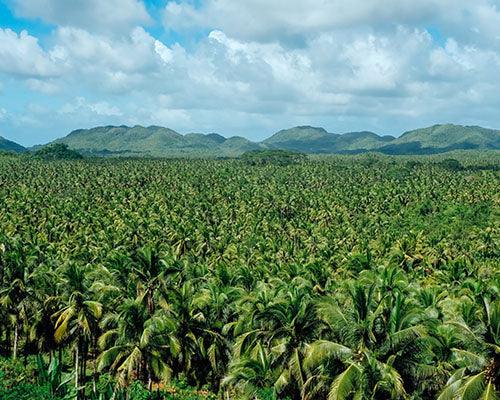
x=365 y=277
x=8 y=153
x=316 y=141
x=179 y=389
x=160 y=142
x=9 y=146
x=137 y=392
x=154 y=141
x=52 y=376
x=272 y=157
x=448 y=136
x=451 y=164
x=19 y=383
x=58 y=151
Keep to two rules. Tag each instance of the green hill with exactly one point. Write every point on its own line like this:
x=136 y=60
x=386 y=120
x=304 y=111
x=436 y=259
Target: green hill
x=297 y=134
x=160 y=141
x=317 y=140
x=456 y=136
x=153 y=141
x=8 y=145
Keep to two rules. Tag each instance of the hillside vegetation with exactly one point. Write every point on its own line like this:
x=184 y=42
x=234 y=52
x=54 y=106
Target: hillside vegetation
x=153 y=141
x=58 y=151
x=159 y=141
x=7 y=145
x=366 y=277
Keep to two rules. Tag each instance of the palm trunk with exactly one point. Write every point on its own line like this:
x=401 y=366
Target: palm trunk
x=77 y=363
x=16 y=339
x=83 y=376
x=25 y=354
x=94 y=371
x=150 y=379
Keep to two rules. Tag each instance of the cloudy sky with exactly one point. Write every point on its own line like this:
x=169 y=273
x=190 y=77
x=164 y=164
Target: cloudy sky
x=247 y=67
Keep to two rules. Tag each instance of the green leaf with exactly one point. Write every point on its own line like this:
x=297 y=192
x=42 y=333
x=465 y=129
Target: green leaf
x=344 y=384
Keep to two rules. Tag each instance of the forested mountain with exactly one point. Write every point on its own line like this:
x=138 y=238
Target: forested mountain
x=160 y=141
x=317 y=140
x=154 y=141
x=441 y=138
x=9 y=145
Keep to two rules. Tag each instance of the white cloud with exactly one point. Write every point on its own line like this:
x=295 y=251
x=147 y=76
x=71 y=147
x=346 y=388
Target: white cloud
x=80 y=105
x=163 y=51
x=109 y=16
x=103 y=108
x=347 y=62
x=129 y=53
x=183 y=16
x=292 y=22
x=264 y=20
x=21 y=55
x=45 y=86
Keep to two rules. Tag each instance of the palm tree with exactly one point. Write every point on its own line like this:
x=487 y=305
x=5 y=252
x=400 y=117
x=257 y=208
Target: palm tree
x=216 y=304
x=374 y=344
x=478 y=375
x=283 y=319
x=190 y=327
x=252 y=372
x=78 y=318
x=15 y=289
x=138 y=345
x=151 y=270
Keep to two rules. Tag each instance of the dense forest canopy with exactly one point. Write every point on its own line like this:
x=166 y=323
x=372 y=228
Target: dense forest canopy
x=364 y=277
x=58 y=151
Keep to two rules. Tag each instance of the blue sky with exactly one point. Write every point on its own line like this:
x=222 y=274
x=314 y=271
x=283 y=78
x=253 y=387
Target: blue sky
x=247 y=67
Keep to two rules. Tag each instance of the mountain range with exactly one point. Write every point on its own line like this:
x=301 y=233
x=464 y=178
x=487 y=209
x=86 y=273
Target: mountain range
x=160 y=141
x=8 y=145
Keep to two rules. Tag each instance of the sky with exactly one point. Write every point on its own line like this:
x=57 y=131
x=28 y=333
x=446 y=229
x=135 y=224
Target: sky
x=247 y=67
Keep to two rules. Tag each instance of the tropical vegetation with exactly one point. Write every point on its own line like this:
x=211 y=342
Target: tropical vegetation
x=157 y=141
x=343 y=277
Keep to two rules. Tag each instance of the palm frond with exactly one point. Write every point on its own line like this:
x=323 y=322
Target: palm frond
x=344 y=384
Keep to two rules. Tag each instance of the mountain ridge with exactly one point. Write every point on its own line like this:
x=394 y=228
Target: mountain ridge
x=161 y=141
x=9 y=145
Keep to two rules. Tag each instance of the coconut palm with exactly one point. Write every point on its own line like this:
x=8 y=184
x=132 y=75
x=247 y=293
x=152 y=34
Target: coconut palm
x=16 y=291
x=137 y=345
x=478 y=375
x=374 y=344
x=255 y=371
x=78 y=317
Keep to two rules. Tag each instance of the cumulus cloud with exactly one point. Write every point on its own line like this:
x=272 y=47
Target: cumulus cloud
x=163 y=51
x=292 y=22
x=21 y=55
x=103 y=16
x=99 y=62
x=45 y=86
x=277 y=63
x=99 y=108
x=262 y=20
